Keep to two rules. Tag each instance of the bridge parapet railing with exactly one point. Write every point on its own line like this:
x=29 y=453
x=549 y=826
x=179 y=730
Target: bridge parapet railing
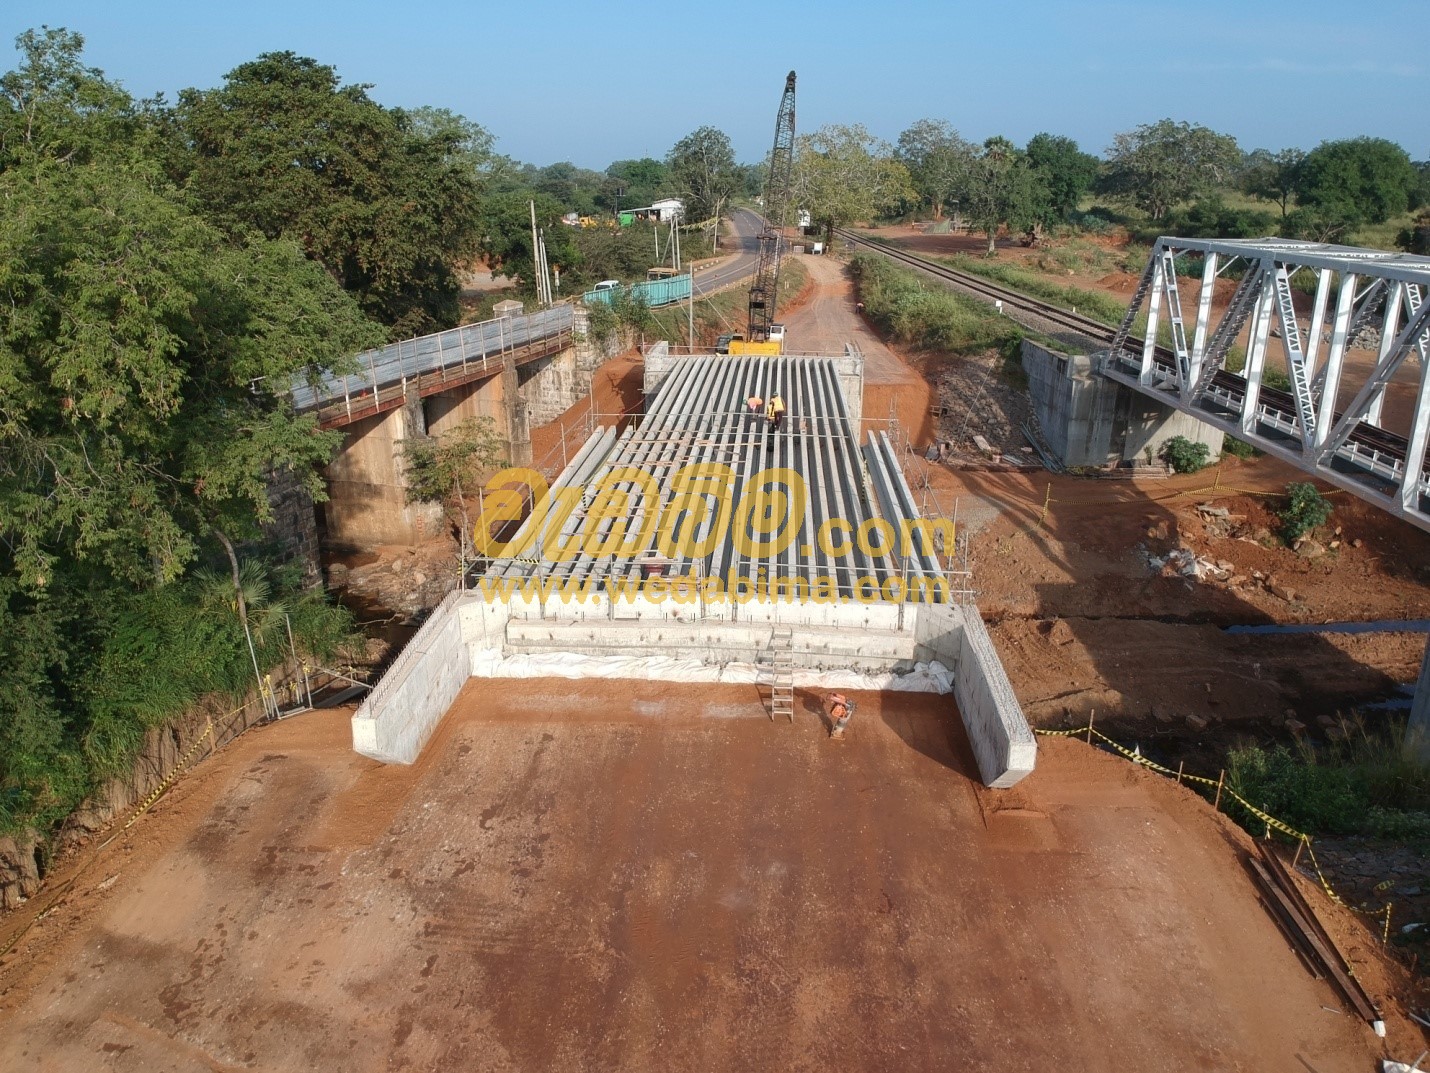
x=408 y=359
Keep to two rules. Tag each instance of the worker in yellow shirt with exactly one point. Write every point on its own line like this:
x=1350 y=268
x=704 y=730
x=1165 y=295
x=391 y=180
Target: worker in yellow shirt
x=775 y=411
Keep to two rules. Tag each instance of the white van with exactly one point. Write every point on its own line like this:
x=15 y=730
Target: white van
x=607 y=285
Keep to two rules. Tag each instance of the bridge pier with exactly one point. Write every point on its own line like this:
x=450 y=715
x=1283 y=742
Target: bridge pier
x=367 y=487
x=367 y=484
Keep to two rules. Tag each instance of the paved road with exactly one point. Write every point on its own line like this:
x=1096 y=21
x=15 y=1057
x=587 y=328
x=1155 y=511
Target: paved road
x=747 y=225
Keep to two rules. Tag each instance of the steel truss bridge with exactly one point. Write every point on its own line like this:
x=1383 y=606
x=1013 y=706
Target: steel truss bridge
x=1359 y=299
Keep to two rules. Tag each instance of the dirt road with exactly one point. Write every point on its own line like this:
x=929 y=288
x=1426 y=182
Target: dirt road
x=634 y=876
x=826 y=321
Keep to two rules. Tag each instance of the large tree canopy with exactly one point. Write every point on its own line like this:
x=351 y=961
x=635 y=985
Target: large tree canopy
x=145 y=356
x=1160 y=165
x=1273 y=176
x=633 y=183
x=1000 y=188
x=54 y=107
x=937 y=160
x=1350 y=183
x=506 y=235
x=702 y=168
x=387 y=205
x=844 y=173
x=1064 y=173
x=140 y=356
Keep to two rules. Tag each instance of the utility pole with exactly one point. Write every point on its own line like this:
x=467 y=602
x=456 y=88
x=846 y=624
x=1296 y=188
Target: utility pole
x=692 y=310
x=535 y=252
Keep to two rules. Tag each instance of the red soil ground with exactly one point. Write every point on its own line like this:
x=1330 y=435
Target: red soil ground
x=644 y=876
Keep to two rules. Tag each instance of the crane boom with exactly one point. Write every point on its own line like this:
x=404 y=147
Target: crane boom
x=763 y=292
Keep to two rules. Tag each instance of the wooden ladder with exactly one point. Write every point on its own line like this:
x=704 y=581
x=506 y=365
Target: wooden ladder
x=782 y=672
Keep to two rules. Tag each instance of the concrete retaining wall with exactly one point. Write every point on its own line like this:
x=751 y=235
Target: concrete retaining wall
x=294 y=528
x=816 y=648
x=402 y=711
x=552 y=386
x=1002 y=741
x=658 y=363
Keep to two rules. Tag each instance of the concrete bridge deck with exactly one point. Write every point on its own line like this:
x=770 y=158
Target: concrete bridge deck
x=409 y=368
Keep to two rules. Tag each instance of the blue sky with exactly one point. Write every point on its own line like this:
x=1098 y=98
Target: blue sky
x=599 y=81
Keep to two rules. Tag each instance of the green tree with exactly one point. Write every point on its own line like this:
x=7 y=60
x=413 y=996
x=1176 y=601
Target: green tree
x=54 y=107
x=844 y=173
x=386 y=205
x=575 y=189
x=468 y=143
x=702 y=167
x=1063 y=171
x=1160 y=165
x=1273 y=177
x=506 y=236
x=752 y=179
x=143 y=365
x=1416 y=237
x=446 y=469
x=633 y=183
x=145 y=358
x=1001 y=189
x=1347 y=184
x=937 y=160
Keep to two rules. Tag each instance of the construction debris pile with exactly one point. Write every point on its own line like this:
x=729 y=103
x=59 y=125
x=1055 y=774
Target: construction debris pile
x=981 y=416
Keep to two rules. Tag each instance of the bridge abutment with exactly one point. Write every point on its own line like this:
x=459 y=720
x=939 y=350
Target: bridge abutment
x=1089 y=420
x=1417 y=730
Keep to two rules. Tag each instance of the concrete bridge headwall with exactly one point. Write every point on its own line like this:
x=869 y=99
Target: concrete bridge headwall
x=471 y=636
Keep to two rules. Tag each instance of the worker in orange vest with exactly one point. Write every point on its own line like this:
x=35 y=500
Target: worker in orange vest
x=839 y=709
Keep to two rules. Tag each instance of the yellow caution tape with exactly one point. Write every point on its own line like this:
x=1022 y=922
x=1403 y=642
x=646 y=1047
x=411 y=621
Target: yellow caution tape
x=174 y=773
x=144 y=806
x=1270 y=821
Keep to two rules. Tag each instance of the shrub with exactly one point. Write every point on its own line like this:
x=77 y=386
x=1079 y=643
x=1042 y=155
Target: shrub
x=1305 y=509
x=1237 y=448
x=1296 y=789
x=1365 y=785
x=1090 y=222
x=927 y=317
x=602 y=322
x=1212 y=218
x=1184 y=455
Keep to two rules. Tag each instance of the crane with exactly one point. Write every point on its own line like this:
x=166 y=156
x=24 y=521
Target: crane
x=763 y=292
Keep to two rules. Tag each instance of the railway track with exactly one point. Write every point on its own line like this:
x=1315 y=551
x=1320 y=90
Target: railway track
x=988 y=290
x=1369 y=448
